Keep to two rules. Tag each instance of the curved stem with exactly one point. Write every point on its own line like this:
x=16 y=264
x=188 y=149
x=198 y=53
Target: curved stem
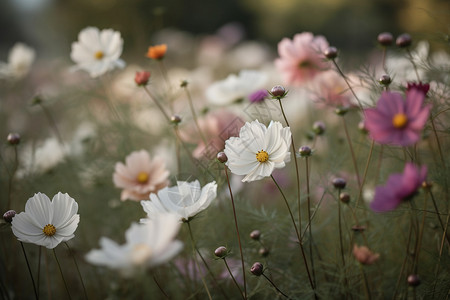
x=194 y=116
x=237 y=232
x=61 y=272
x=157 y=104
x=355 y=165
x=294 y=152
x=444 y=229
x=365 y=174
x=29 y=270
x=78 y=269
x=273 y=284
x=413 y=63
x=348 y=84
x=298 y=234
x=234 y=279
x=160 y=287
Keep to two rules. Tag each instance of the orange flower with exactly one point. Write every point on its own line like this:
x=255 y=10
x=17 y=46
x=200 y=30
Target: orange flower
x=157 y=52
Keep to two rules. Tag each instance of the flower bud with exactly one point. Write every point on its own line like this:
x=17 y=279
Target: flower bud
x=222 y=157
x=278 y=92
x=362 y=127
x=385 y=39
x=385 y=80
x=141 y=78
x=319 y=127
x=264 y=252
x=221 y=252
x=257 y=269
x=175 y=119
x=331 y=52
x=304 y=151
x=184 y=83
x=9 y=215
x=13 y=138
x=255 y=235
x=344 y=197
x=340 y=111
x=339 y=183
x=427 y=185
x=403 y=40
x=413 y=280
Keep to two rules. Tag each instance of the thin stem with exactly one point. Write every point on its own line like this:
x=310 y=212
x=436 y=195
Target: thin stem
x=273 y=284
x=384 y=60
x=163 y=70
x=413 y=63
x=311 y=256
x=39 y=269
x=237 y=232
x=78 y=270
x=365 y=174
x=195 y=259
x=61 y=272
x=297 y=232
x=355 y=165
x=157 y=104
x=194 y=116
x=341 y=244
x=437 y=141
x=439 y=216
x=348 y=84
x=177 y=148
x=234 y=279
x=29 y=270
x=419 y=241
x=52 y=122
x=160 y=287
x=366 y=283
x=11 y=176
x=294 y=152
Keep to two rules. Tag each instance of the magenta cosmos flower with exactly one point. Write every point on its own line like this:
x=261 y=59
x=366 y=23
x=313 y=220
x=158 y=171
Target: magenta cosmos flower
x=396 y=121
x=398 y=188
x=301 y=58
x=140 y=176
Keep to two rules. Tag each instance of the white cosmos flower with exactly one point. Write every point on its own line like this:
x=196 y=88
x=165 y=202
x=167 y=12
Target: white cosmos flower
x=234 y=87
x=258 y=150
x=47 y=223
x=20 y=59
x=147 y=245
x=97 y=52
x=184 y=200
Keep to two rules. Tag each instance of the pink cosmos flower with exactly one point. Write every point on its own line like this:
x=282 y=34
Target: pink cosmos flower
x=140 y=176
x=301 y=58
x=399 y=187
x=396 y=121
x=330 y=89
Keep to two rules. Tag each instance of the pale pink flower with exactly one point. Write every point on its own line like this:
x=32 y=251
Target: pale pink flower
x=301 y=58
x=364 y=255
x=140 y=176
x=216 y=128
x=331 y=90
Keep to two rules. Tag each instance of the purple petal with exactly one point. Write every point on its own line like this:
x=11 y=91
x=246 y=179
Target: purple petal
x=414 y=102
x=391 y=103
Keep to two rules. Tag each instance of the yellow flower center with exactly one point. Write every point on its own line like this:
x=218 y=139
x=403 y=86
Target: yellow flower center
x=262 y=156
x=399 y=120
x=140 y=253
x=99 y=55
x=49 y=230
x=142 y=177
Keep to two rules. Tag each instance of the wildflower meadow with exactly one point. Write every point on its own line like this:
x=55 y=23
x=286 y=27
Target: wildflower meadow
x=230 y=171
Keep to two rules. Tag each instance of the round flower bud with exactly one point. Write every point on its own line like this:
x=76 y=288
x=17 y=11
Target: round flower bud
x=340 y=111
x=221 y=252
x=255 y=235
x=278 y=91
x=319 y=127
x=362 y=127
x=385 y=80
x=304 y=151
x=222 y=157
x=13 y=138
x=141 y=78
x=403 y=40
x=257 y=269
x=9 y=215
x=385 y=39
x=339 y=183
x=413 y=280
x=331 y=52
x=175 y=119
x=427 y=185
x=264 y=252
x=344 y=197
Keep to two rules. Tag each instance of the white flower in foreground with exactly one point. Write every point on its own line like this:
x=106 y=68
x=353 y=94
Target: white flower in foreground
x=147 y=245
x=235 y=88
x=47 y=223
x=97 y=52
x=20 y=59
x=184 y=200
x=258 y=150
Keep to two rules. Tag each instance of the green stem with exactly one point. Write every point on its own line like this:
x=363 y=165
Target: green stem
x=355 y=165
x=237 y=232
x=157 y=104
x=61 y=272
x=273 y=284
x=29 y=270
x=348 y=84
x=366 y=283
x=311 y=256
x=194 y=116
x=444 y=229
x=234 y=279
x=413 y=63
x=78 y=269
x=160 y=287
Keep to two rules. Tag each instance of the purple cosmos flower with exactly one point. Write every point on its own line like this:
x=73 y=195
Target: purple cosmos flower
x=258 y=96
x=395 y=121
x=399 y=187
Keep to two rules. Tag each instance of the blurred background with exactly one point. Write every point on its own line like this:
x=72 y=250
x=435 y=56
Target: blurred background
x=50 y=26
